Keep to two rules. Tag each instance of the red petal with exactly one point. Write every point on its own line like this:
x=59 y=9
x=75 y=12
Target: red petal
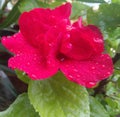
x=89 y=72
x=96 y=38
x=16 y=44
x=32 y=25
x=84 y=42
x=29 y=59
x=63 y=10
x=34 y=65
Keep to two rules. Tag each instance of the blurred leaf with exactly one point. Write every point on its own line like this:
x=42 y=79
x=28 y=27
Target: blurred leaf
x=106 y=17
x=110 y=89
x=118 y=49
x=6 y=83
x=117 y=64
x=27 y=5
x=112 y=106
x=2 y=48
x=92 y=1
x=97 y=109
x=78 y=9
x=58 y=97
x=20 y=108
x=6 y=69
x=12 y=17
x=22 y=76
x=54 y=4
x=112 y=41
x=117 y=1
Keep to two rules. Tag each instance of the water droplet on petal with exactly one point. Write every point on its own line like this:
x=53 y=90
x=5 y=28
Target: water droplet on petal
x=50 y=44
x=67 y=36
x=93 y=67
x=62 y=59
x=108 y=73
x=33 y=76
x=69 y=45
x=70 y=76
x=68 y=28
x=75 y=70
x=103 y=66
x=28 y=63
x=98 y=40
x=90 y=84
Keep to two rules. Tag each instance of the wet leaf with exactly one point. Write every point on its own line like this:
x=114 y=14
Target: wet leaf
x=58 y=97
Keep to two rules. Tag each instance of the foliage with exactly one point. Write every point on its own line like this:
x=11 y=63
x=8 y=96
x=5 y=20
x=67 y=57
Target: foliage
x=57 y=97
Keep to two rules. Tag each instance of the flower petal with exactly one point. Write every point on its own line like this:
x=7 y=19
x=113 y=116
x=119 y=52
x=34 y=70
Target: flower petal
x=29 y=59
x=89 y=72
x=63 y=11
x=83 y=42
x=16 y=44
x=32 y=27
x=92 y=34
x=36 y=66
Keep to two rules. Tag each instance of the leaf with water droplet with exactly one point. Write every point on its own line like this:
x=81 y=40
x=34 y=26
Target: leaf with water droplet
x=58 y=97
x=22 y=76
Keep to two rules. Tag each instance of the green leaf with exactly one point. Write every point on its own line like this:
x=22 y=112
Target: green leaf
x=118 y=49
x=116 y=1
x=92 y=1
x=106 y=17
x=22 y=76
x=2 y=48
x=78 y=10
x=112 y=106
x=12 y=17
x=58 y=97
x=6 y=69
x=27 y=5
x=97 y=109
x=20 y=108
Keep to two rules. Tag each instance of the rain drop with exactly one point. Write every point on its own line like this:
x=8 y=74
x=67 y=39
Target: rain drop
x=98 y=40
x=103 y=66
x=69 y=46
x=67 y=36
x=93 y=67
x=33 y=76
x=50 y=44
x=70 y=76
x=108 y=73
x=28 y=63
x=90 y=84
x=75 y=70
x=68 y=28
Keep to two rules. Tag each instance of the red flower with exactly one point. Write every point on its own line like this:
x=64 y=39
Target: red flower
x=47 y=42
